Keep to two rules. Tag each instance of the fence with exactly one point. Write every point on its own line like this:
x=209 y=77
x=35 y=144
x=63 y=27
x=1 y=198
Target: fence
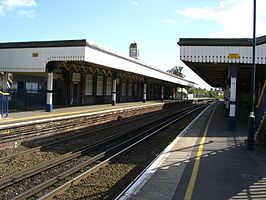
x=261 y=107
x=22 y=100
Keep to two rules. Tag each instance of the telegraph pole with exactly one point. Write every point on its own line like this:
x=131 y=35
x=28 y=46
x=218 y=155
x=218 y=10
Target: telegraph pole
x=251 y=119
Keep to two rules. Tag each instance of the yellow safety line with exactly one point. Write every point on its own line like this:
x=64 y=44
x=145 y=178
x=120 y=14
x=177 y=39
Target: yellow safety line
x=50 y=116
x=4 y=93
x=69 y=113
x=195 y=171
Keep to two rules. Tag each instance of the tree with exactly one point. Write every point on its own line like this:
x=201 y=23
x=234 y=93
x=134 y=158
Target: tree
x=198 y=92
x=177 y=70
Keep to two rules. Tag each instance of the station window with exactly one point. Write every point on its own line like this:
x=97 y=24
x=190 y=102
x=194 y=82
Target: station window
x=89 y=84
x=129 y=92
x=136 y=89
x=99 y=86
x=108 y=86
x=124 y=88
x=31 y=87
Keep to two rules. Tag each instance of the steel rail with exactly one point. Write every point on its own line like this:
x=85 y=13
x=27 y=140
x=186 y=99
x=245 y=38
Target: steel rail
x=163 y=152
x=80 y=134
x=20 y=176
x=146 y=134
x=32 y=133
x=17 y=177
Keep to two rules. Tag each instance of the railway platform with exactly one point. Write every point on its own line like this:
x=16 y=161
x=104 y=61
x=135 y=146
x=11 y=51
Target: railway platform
x=40 y=116
x=206 y=161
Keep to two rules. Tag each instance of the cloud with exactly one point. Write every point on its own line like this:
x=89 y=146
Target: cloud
x=234 y=16
x=17 y=7
x=169 y=21
x=19 y=3
x=134 y=3
x=1 y=10
x=26 y=13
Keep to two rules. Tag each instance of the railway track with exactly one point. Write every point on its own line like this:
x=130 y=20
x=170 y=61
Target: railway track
x=76 y=144
x=36 y=143
x=52 y=128
x=74 y=163
x=83 y=133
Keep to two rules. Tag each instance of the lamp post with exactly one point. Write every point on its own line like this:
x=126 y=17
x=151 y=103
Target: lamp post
x=251 y=119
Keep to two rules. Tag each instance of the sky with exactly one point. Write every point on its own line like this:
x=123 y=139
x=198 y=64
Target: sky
x=156 y=25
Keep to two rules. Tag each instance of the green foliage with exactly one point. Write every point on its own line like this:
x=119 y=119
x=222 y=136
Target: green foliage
x=177 y=70
x=198 y=92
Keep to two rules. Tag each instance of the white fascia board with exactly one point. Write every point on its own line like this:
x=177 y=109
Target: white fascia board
x=35 y=59
x=108 y=59
x=219 y=54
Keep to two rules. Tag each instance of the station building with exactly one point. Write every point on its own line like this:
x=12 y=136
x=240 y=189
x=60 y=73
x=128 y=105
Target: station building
x=227 y=63
x=77 y=72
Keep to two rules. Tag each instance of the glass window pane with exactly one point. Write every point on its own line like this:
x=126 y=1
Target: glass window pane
x=99 y=86
x=108 y=86
x=32 y=87
x=89 y=84
x=129 y=90
x=124 y=88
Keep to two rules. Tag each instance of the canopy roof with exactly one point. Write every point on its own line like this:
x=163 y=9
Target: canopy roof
x=211 y=58
x=33 y=57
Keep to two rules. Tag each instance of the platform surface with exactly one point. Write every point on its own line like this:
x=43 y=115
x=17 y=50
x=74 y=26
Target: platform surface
x=208 y=162
x=20 y=117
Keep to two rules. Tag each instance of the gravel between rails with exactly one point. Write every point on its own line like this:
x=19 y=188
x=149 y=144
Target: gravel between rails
x=18 y=188
x=11 y=192
x=23 y=162
x=109 y=181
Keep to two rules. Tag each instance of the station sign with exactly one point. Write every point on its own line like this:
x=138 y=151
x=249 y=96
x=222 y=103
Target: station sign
x=35 y=55
x=233 y=56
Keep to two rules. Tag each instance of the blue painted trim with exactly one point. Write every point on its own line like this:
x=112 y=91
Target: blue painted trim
x=232 y=103
x=49 y=107
x=232 y=123
x=233 y=70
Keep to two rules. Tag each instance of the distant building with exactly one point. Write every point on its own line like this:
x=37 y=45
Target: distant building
x=133 y=50
x=219 y=92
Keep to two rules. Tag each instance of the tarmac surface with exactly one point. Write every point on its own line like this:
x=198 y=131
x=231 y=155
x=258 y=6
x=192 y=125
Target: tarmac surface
x=206 y=162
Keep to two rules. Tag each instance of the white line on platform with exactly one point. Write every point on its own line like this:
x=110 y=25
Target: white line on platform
x=147 y=173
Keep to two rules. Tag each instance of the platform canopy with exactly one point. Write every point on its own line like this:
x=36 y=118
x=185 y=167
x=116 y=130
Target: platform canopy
x=33 y=57
x=211 y=58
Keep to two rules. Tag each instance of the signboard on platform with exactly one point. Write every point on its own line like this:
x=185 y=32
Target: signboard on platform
x=76 y=77
x=233 y=56
x=35 y=55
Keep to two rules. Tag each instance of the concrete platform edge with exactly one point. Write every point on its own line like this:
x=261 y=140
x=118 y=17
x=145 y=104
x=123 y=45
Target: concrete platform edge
x=84 y=114
x=147 y=173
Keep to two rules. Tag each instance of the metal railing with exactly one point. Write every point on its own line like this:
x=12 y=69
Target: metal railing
x=261 y=107
x=4 y=104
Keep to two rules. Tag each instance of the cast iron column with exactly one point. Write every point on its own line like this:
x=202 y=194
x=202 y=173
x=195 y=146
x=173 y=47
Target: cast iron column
x=232 y=106
x=114 y=92
x=49 y=95
x=144 y=92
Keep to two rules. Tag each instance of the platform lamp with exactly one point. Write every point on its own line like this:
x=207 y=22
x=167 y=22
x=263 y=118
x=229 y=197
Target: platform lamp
x=251 y=119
